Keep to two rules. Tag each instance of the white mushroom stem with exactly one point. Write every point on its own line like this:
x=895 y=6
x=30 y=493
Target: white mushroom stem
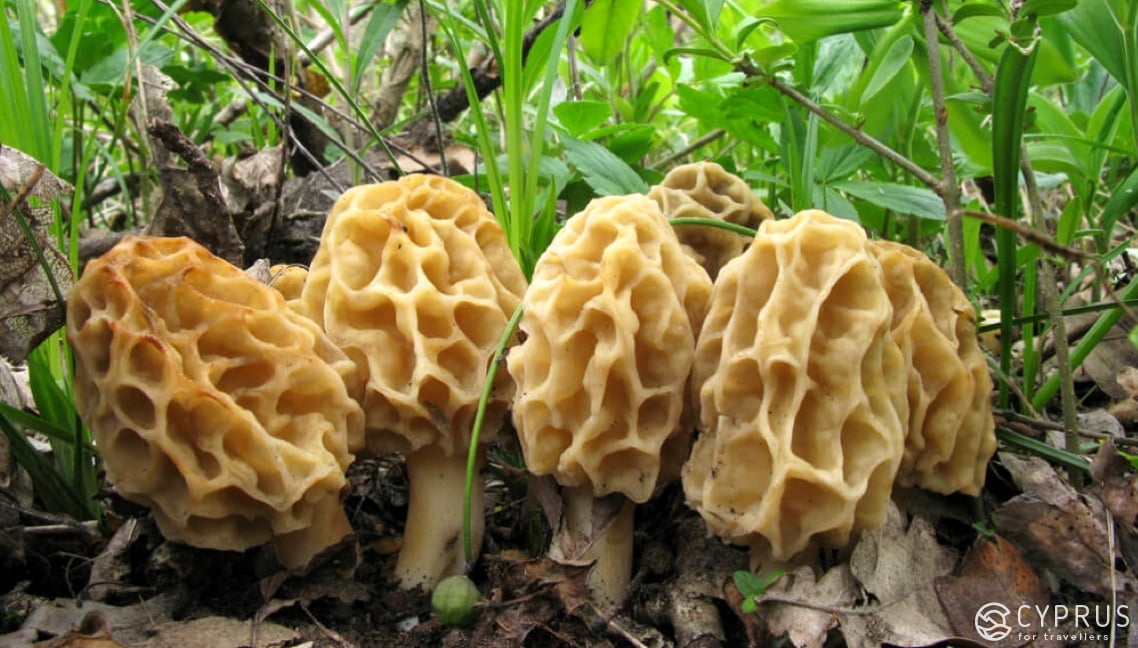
x=432 y=540
x=609 y=547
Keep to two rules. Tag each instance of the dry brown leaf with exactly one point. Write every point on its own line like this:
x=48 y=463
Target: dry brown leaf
x=94 y=631
x=31 y=305
x=993 y=572
x=898 y=567
x=1118 y=490
x=1059 y=529
x=808 y=626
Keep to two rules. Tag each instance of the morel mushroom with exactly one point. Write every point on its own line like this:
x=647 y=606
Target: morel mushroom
x=951 y=433
x=610 y=322
x=414 y=280
x=707 y=190
x=801 y=392
x=213 y=404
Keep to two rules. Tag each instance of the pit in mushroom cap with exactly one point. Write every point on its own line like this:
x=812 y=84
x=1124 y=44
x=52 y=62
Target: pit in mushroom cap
x=707 y=190
x=609 y=324
x=414 y=280
x=800 y=389
x=212 y=403
x=951 y=433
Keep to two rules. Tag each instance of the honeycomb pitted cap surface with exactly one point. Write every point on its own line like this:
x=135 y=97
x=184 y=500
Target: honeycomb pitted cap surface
x=415 y=281
x=707 y=190
x=951 y=430
x=212 y=403
x=609 y=325
x=800 y=390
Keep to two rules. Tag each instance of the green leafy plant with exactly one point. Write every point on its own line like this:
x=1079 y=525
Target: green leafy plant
x=753 y=586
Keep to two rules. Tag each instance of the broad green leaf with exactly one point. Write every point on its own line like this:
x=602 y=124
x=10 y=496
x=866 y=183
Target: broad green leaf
x=807 y=20
x=1009 y=99
x=973 y=9
x=1094 y=24
x=605 y=28
x=607 y=174
x=1123 y=198
x=579 y=117
x=384 y=17
x=112 y=69
x=1046 y=7
x=706 y=52
x=903 y=199
x=705 y=12
x=744 y=29
x=896 y=58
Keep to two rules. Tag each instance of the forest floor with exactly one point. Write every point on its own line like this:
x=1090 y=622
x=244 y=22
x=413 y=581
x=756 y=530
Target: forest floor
x=919 y=580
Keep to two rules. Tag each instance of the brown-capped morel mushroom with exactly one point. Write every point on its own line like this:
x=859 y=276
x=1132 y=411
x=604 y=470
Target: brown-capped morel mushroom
x=707 y=190
x=610 y=322
x=951 y=433
x=226 y=413
x=414 y=280
x=801 y=392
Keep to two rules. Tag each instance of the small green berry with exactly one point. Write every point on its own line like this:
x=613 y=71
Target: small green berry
x=453 y=601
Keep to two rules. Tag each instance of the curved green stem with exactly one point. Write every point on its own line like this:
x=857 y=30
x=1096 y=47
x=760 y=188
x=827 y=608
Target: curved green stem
x=476 y=432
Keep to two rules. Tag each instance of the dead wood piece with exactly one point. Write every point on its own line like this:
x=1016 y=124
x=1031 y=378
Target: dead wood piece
x=691 y=602
x=193 y=205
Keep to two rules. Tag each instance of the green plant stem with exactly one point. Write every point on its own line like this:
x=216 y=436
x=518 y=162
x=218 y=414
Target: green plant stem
x=949 y=189
x=1047 y=269
x=476 y=431
x=858 y=135
x=949 y=33
x=1089 y=341
x=694 y=146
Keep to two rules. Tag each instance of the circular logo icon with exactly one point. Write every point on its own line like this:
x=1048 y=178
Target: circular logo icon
x=992 y=621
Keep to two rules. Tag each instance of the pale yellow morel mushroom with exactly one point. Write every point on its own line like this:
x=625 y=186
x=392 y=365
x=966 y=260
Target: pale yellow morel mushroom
x=288 y=280
x=609 y=331
x=414 y=280
x=801 y=392
x=707 y=190
x=951 y=433
x=224 y=412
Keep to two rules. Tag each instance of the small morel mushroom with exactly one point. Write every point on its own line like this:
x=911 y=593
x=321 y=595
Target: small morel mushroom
x=951 y=433
x=414 y=280
x=610 y=322
x=707 y=190
x=801 y=392
x=288 y=280
x=226 y=413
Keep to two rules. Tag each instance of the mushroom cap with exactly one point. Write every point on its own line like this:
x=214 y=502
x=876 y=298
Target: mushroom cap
x=951 y=431
x=800 y=390
x=288 y=280
x=414 y=280
x=210 y=401
x=609 y=328
x=707 y=190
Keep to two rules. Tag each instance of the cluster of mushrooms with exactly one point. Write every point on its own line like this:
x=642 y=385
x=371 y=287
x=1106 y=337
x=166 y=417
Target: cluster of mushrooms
x=789 y=380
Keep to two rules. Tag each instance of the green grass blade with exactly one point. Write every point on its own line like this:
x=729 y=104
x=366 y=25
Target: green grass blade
x=57 y=496
x=1043 y=450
